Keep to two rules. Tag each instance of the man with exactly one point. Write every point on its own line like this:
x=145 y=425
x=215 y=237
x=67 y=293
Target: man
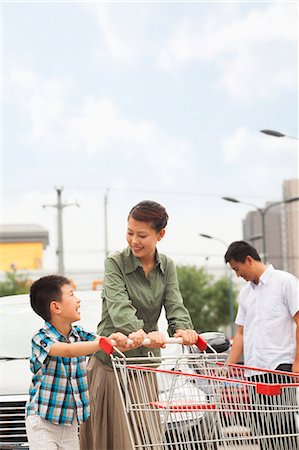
x=267 y=334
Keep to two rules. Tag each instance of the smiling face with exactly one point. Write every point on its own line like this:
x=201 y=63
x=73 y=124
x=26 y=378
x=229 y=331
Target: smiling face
x=67 y=309
x=142 y=239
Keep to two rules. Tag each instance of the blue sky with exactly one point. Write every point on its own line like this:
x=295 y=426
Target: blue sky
x=152 y=100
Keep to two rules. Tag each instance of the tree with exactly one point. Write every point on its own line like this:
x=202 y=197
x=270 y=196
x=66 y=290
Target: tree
x=207 y=300
x=14 y=284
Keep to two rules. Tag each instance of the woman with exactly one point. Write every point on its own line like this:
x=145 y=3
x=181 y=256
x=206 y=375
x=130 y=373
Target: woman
x=138 y=282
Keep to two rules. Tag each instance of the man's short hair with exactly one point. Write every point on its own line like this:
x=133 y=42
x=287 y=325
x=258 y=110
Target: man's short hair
x=45 y=290
x=239 y=250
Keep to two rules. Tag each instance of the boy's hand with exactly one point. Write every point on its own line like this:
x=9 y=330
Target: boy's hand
x=157 y=339
x=121 y=341
x=189 y=336
x=137 y=338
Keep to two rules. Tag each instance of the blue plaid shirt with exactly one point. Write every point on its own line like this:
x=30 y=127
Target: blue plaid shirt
x=59 y=390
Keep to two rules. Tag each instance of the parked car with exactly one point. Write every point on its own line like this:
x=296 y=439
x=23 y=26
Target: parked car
x=18 y=324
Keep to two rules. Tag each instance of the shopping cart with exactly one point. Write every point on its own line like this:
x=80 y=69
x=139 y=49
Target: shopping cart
x=196 y=401
x=259 y=407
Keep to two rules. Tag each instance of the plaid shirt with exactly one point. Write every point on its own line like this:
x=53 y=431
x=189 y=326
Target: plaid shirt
x=59 y=390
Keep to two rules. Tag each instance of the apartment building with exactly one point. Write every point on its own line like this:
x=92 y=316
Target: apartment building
x=281 y=229
x=252 y=233
x=291 y=190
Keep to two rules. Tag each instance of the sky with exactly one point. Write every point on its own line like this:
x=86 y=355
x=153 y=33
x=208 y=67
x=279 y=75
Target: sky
x=145 y=100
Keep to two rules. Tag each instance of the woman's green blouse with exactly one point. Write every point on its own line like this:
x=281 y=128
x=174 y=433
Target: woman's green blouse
x=132 y=301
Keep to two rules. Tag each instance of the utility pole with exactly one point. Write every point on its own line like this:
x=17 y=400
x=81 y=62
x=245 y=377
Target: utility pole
x=59 y=206
x=106 y=222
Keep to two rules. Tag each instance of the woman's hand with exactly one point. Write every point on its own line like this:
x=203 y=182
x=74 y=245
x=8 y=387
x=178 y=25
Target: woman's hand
x=137 y=338
x=157 y=340
x=189 y=336
x=121 y=341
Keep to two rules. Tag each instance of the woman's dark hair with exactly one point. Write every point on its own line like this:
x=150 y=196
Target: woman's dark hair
x=150 y=212
x=43 y=291
x=239 y=250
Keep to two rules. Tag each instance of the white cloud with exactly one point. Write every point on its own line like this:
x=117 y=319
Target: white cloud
x=260 y=161
x=96 y=127
x=253 y=54
x=123 y=40
x=256 y=54
x=56 y=135
x=43 y=102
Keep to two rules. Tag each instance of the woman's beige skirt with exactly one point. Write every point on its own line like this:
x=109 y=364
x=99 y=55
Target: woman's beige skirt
x=108 y=425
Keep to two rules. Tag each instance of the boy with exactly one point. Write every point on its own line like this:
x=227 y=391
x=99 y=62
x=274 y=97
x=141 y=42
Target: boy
x=58 y=396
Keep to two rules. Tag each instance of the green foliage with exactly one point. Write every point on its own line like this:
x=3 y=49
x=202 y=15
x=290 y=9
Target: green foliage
x=14 y=284
x=207 y=300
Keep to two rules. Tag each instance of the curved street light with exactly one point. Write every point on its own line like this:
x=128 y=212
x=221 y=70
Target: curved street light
x=230 y=285
x=262 y=212
x=207 y=236
x=277 y=134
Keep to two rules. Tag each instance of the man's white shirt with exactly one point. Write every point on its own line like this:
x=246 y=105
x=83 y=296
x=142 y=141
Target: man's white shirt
x=266 y=312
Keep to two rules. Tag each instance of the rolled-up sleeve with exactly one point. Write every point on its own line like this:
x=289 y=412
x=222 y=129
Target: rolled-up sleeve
x=177 y=314
x=84 y=334
x=41 y=345
x=119 y=306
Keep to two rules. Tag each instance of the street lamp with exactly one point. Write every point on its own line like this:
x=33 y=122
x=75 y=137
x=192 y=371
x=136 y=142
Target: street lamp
x=207 y=236
x=277 y=134
x=230 y=285
x=255 y=237
x=262 y=212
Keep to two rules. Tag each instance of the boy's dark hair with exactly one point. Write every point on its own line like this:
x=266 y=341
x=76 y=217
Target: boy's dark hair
x=43 y=291
x=239 y=250
x=150 y=212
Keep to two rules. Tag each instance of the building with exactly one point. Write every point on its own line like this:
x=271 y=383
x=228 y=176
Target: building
x=281 y=229
x=22 y=246
x=252 y=233
x=291 y=224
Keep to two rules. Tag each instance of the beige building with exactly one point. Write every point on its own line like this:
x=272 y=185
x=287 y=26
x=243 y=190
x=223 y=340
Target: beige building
x=291 y=225
x=282 y=230
x=252 y=233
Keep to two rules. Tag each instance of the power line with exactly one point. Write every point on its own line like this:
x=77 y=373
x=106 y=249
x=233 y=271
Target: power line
x=127 y=189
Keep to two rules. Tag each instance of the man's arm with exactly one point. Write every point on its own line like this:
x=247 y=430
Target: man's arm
x=295 y=367
x=237 y=348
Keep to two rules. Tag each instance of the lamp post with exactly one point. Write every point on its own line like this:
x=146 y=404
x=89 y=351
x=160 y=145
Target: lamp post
x=277 y=134
x=262 y=212
x=230 y=285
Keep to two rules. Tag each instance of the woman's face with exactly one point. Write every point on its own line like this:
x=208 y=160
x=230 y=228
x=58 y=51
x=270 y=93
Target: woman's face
x=142 y=238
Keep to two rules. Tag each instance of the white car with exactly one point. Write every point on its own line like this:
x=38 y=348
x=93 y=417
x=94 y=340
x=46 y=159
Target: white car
x=18 y=324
